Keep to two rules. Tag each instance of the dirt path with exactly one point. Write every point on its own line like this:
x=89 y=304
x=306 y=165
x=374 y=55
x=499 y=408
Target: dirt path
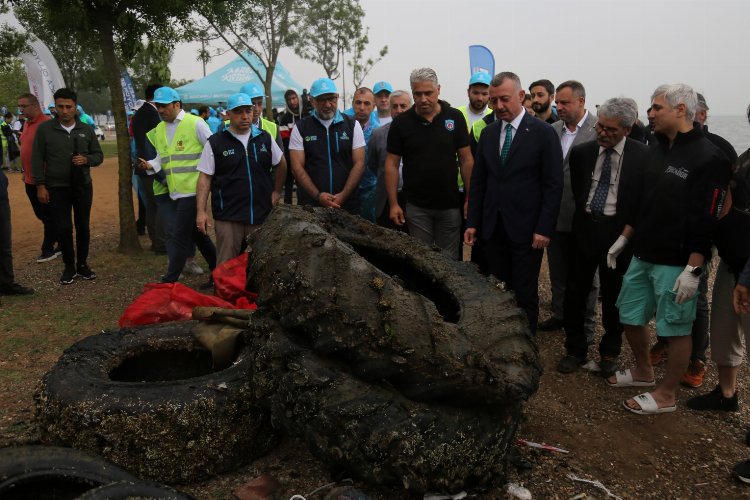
x=27 y=230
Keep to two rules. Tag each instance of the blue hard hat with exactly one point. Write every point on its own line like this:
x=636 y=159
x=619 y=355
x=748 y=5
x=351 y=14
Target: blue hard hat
x=323 y=86
x=381 y=86
x=480 y=78
x=251 y=89
x=166 y=95
x=239 y=99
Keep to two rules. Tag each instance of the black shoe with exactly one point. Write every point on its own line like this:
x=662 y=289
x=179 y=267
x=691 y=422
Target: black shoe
x=714 y=400
x=159 y=251
x=569 y=364
x=68 y=276
x=608 y=366
x=742 y=471
x=16 y=289
x=85 y=272
x=550 y=325
x=48 y=255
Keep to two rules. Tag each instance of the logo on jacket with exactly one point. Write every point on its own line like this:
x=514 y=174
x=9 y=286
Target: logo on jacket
x=228 y=152
x=344 y=137
x=680 y=172
x=263 y=149
x=180 y=146
x=309 y=138
x=450 y=125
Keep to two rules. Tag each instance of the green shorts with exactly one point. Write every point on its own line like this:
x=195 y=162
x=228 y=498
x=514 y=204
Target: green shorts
x=647 y=289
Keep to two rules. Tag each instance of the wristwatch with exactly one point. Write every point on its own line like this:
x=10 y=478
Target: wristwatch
x=694 y=270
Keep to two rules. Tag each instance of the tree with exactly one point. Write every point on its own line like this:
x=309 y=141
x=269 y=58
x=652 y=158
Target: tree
x=151 y=64
x=260 y=27
x=332 y=27
x=361 y=68
x=12 y=84
x=12 y=41
x=117 y=27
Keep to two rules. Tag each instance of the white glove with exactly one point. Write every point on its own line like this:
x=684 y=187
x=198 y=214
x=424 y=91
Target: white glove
x=685 y=286
x=615 y=250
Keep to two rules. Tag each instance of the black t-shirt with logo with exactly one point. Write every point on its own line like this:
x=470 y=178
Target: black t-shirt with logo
x=429 y=150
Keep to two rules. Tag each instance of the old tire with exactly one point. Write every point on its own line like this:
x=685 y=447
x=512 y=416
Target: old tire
x=370 y=430
x=126 y=490
x=147 y=399
x=50 y=472
x=392 y=308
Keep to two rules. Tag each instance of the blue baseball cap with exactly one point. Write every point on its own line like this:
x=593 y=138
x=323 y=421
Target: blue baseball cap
x=381 y=86
x=251 y=89
x=239 y=99
x=166 y=95
x=194 y=112
x=480 y=78
x=323 y=86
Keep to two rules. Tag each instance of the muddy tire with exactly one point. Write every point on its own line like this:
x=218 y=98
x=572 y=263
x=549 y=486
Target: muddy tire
x=47 y=472
x=371 y=431
x=148 y=400
x=392 y=308
x=126 y=490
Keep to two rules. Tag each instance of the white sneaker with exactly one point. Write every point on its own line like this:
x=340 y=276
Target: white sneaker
x=192 y=268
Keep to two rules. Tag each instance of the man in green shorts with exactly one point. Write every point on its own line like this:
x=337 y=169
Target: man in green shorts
x=682 y=189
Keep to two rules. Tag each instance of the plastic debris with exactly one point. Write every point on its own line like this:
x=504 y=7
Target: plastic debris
x=515 y=490
x=539 y=446
x=598 y=484
x=591 y=366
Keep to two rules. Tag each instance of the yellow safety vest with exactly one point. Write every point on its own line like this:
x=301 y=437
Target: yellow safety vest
x=464 y=112
x=266 y=125
x=159 y=188
x=179 y=160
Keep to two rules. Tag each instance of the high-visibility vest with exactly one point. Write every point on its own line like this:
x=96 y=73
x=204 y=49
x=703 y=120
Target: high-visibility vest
x=463 y=110
x=179 y=160
x=159 y=188
x=266 y=125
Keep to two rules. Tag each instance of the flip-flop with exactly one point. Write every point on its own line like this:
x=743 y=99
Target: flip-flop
x=648 y=405
x=625 y=379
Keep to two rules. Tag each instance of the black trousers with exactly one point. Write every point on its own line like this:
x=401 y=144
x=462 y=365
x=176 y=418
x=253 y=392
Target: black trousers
x=44 y=214
x=517 y=264
x=592 y=239
x=154 y=223
x=62 y=202
x=6 y=246
x=184 y=236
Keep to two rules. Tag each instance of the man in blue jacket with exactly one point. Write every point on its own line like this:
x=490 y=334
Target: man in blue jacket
x=237 y=167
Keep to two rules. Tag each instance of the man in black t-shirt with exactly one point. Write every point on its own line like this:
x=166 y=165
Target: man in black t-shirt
x=428 y=138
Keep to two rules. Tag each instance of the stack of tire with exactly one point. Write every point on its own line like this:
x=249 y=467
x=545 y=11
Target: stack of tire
x=394 y=363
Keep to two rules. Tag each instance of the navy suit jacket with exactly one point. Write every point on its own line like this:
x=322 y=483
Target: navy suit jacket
x=524 y=193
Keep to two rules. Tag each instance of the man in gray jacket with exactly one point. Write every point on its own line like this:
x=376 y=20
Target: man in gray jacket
x=64 y=149
x=576 y=126
x=400 y=101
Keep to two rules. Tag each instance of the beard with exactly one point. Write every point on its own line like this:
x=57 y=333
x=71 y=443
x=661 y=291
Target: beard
x=540 y=107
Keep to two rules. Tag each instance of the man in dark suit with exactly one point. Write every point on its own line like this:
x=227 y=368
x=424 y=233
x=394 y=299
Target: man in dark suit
x=602 y=174
x=145 y=119
x=515 y=192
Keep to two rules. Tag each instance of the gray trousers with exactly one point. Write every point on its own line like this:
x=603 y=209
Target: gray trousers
x=558 y=259
x=435 y=227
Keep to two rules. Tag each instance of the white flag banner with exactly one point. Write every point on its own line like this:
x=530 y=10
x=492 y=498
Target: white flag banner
x=42 y=72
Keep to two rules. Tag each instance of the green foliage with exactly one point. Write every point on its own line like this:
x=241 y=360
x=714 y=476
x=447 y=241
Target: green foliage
x=12 y=41
x=361 y=67
x=12 y=84
x=150 y=64
x=331 y=28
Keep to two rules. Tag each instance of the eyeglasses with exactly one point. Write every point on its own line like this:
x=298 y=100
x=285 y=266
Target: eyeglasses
x=607 y=130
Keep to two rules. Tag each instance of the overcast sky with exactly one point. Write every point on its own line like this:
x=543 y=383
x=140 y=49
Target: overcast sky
x=614 y=47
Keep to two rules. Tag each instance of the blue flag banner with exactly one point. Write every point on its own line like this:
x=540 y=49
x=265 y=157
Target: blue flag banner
x=481 y=60
x=128 y=92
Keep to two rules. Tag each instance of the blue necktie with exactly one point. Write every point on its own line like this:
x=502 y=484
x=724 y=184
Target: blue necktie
x=506 y=144
x=602 y=189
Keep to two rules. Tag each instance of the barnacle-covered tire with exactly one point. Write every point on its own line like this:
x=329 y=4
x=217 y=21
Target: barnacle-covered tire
x=147 y=399
x=127 y=490
x=392 y=308
x=370 y=430
x=42 y=472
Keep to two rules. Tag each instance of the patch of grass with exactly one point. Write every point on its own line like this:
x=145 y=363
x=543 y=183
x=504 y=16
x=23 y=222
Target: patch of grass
x=109 y=148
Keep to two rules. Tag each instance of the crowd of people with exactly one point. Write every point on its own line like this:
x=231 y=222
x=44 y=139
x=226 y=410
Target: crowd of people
x=628 y=213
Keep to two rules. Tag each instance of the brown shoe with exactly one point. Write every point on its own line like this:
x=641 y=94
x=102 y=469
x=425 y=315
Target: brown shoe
x=659 y=353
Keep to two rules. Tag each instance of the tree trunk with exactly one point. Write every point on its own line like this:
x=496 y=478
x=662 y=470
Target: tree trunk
x=267 y=84
x=128 y=236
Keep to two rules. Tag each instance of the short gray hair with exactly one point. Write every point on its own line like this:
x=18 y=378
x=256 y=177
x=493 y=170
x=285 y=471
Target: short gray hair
x=676 y=94
x=423 y=75
x=500 y=78
x=621 y=109
x=399 y=93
